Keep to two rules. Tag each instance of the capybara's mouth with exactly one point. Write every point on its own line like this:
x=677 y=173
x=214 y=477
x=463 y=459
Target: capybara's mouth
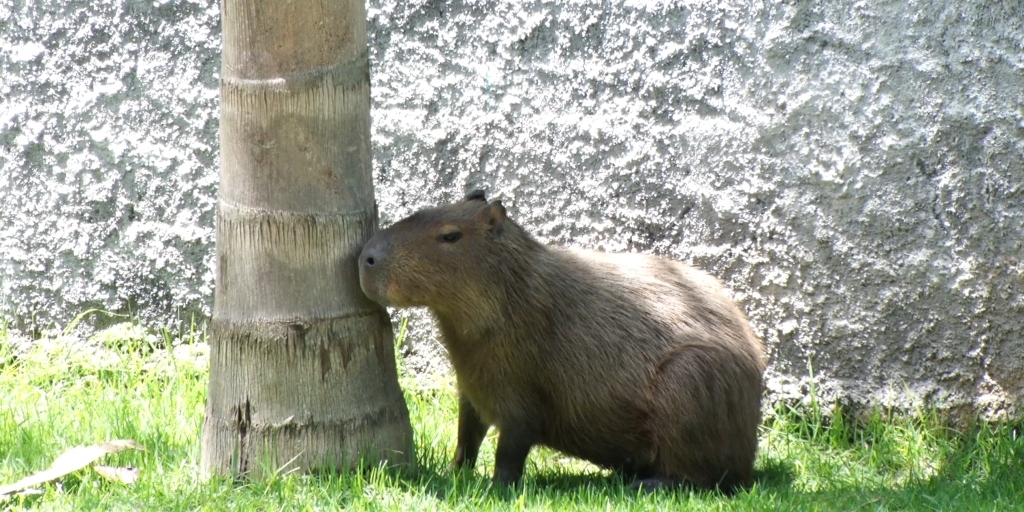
x=386 y=294
x=368 y=284
x=378 y=299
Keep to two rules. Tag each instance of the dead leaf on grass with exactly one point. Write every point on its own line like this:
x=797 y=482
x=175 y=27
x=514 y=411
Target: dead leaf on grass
x=69 y=462
x=21 y=493
x=123 y=475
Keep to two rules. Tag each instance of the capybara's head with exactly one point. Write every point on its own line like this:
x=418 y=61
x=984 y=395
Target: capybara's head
x=442 y=257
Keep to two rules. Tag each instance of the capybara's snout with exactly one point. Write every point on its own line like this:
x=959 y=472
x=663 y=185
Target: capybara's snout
x=371 y=264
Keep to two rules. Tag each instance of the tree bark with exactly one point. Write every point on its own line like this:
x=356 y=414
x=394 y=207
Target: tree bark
x=302 y=366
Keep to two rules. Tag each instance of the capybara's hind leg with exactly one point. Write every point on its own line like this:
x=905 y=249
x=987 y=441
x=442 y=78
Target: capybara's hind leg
x=707 y=408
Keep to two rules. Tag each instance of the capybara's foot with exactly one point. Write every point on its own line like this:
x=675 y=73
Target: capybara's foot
x=655 y=483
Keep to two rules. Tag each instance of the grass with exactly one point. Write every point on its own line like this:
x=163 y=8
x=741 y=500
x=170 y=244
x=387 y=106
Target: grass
x=130 y=384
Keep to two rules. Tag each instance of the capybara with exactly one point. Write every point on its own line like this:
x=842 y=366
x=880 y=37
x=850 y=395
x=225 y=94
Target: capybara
x=636 y=363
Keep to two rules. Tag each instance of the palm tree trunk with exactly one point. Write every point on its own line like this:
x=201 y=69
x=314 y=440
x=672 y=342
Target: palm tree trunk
x=302 y=368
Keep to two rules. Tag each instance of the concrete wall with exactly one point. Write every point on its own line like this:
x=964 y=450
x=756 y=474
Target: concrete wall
x=108 y=169
x=852 y=169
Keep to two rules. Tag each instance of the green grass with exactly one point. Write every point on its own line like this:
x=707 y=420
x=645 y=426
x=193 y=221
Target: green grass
x=134 y=385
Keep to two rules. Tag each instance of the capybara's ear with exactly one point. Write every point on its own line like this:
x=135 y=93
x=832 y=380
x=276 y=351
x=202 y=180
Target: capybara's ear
x=496 y=217
x=476 y=195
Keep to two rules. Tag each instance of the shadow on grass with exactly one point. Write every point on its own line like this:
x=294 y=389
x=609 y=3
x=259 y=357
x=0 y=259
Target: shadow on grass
x=979 y=471
x=442 y=484
x=972 y=477
x=775 y=474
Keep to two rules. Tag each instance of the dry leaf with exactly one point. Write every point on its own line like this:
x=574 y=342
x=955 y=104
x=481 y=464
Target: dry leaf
x=23 y=492
x=124 y=475
x=69 y=462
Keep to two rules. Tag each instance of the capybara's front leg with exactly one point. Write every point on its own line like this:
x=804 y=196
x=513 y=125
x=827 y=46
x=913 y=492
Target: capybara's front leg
x=472 y=430
x=514 y=442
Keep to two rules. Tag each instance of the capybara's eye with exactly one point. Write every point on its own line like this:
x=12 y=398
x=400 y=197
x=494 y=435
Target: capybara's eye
x=451 y=237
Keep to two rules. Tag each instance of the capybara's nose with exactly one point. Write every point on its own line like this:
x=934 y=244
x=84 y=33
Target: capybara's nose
x=371 y=256
x=371 y=264
x=370 y=259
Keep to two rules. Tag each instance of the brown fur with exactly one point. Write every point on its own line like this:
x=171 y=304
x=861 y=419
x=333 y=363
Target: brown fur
x=633 y=362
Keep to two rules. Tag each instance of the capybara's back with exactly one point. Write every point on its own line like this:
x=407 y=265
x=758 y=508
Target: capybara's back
x=635 y=363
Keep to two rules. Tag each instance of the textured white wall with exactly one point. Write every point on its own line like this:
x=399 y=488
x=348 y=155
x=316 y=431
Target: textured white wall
x=852 y=169
x=108 y=170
